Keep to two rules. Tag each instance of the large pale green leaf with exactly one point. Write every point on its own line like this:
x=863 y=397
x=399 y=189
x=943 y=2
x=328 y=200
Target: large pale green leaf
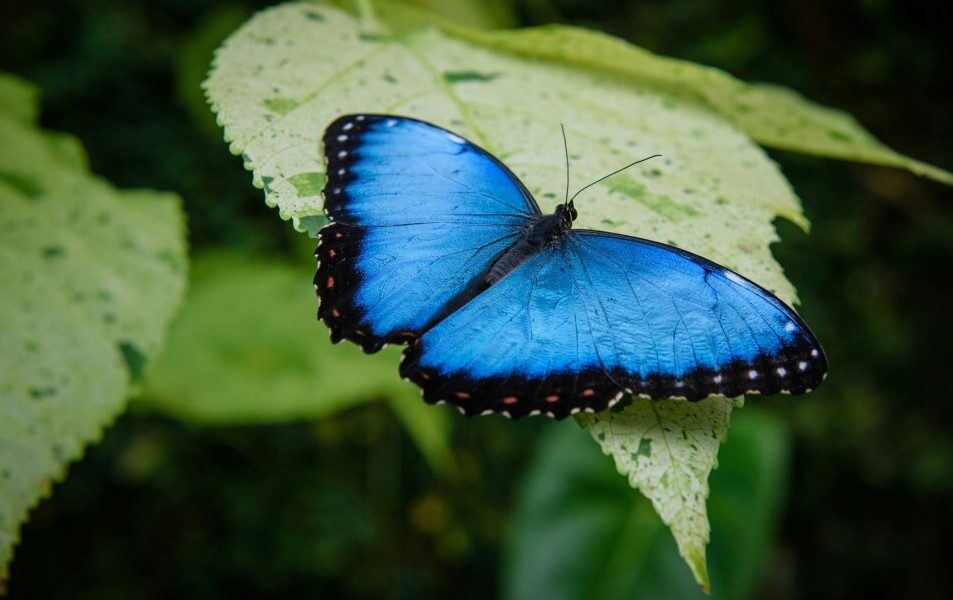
x=283 y=77
x=91 y=278
x=247 y=348
x=578 y=532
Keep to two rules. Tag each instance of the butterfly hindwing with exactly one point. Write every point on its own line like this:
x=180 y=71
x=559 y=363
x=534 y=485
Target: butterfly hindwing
x=416 y=215
x=596 y=314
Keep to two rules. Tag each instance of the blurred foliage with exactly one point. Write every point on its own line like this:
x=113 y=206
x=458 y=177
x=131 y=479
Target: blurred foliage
x=578 y=531
x=263 y=360
x=164 y=509
x=92 y=276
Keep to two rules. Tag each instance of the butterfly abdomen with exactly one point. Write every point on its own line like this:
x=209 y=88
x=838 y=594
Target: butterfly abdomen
x=537 y=235
x=513 y=257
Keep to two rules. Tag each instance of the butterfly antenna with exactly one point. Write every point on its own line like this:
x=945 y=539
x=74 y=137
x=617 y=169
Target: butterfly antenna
x=632 y=164
x=566 y=148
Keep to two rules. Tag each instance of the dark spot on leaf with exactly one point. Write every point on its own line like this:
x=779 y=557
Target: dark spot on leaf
x=39 y=393
x=135 y=360
x=170 y=258
x=312 y=223
x=373 y=37
x=840 y=136
x=389 y=78
x=52 y=252
x=313 y=15
x=27 y=186
x=266 y=184
x=645 y=448
x=464 y=76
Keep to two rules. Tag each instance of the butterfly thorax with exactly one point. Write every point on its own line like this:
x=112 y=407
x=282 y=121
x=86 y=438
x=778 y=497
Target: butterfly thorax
x=536 y=236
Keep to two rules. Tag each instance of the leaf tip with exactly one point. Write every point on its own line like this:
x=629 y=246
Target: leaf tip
x=699 y=565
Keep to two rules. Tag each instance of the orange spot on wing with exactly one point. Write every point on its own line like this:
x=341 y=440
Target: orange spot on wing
x=552 y=398
x=588 y=392
x=463 y=395
x=510 y=400
x=330 y=283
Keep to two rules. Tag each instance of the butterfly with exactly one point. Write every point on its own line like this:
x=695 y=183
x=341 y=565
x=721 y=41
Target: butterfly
x=432 y=242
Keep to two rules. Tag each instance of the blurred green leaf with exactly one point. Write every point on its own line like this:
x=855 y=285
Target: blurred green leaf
x=18 y=99
x=91 y=277
x=578 y=531
x=247 y=348
x=279 y=80
x=478 y=14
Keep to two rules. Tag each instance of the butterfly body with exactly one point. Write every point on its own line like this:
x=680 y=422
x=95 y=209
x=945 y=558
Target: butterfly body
x=545 y=230
x=435 y=243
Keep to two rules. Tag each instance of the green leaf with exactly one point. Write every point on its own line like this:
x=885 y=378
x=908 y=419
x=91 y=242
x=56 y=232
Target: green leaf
x=479 y=14
x=715 y=192
x=667 y=450
x=91 y=277
x=278 y=81
x=18 y=100
x=772 y=115
x=247 y=348
x=577 y=530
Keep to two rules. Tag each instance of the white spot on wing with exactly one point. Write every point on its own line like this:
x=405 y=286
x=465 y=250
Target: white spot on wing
x=456 y=139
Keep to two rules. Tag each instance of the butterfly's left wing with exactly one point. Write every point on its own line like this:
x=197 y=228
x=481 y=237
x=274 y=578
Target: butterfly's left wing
x=597 y=314
x=417 y=214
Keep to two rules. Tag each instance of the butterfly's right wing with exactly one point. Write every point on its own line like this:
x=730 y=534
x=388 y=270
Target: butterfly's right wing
x=417 y=214
x=595 y=314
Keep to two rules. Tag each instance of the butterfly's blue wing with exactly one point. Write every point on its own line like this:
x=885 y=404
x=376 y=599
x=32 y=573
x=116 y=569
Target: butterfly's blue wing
x=416 y=215
x=596 y=314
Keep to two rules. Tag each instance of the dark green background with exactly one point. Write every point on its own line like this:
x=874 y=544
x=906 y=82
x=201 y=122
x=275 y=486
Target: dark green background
x=347 y=505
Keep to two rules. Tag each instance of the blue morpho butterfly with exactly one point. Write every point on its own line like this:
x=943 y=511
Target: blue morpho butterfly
x=434 y=243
